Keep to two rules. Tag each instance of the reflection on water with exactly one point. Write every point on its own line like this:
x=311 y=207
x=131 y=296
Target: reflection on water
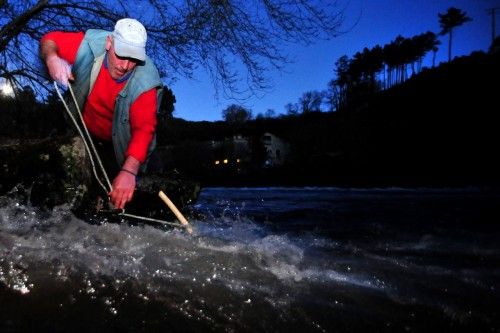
x=268 y=259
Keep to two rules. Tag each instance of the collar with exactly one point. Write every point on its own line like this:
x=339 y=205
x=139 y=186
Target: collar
x=119 y=80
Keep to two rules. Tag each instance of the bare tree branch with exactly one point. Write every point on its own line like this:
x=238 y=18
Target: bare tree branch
x=14 y=27
x=183 y=35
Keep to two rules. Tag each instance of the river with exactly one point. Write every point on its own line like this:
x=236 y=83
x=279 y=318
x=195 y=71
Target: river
x=261 y=260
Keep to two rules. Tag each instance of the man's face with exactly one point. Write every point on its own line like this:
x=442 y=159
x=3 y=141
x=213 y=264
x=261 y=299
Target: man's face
x=118 y=66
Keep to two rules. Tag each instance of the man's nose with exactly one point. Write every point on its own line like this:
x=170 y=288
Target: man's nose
x=125 y=64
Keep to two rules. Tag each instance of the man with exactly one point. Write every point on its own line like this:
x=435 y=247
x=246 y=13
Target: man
x=118 y=88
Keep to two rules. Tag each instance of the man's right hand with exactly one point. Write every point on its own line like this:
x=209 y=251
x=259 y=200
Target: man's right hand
x=122 y=189
x=59 y=69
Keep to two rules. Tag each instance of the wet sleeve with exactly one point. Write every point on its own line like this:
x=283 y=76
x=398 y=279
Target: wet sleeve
x=67 y=43
x=142 y=125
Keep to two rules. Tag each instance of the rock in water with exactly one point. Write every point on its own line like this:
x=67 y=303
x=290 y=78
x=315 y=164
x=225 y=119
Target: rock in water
x=57 y=171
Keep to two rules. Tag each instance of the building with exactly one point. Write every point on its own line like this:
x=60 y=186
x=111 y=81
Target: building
x=277 y=149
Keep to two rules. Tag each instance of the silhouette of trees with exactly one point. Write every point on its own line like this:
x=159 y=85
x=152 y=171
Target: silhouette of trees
x=236 y=114
x=495 y=46
x=359 y=77
x=22 y=116
x=332 y=96
x=362 y=71
x=165 y=113
x=182 y=35
x=448 y=21
x=167 y=106
x=311 y=102
x=404 y=52
x=291 y=109
x=338 y=95
x=382 y=67
x=270 y=113
x=422 y=44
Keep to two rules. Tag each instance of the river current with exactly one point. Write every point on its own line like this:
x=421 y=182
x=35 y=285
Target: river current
x=261 y=260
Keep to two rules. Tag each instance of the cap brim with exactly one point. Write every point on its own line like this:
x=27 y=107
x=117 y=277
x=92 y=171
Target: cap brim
x=129 y=51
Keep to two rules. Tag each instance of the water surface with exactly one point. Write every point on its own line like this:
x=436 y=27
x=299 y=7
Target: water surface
x=261 y=259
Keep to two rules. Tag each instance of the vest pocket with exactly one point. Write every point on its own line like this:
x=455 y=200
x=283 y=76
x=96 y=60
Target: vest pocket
x=122 y=110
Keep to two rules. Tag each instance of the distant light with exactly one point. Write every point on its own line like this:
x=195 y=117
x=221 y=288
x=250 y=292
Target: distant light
x=217 y=162
x=6 y=89
x=225 y=161
x=237 y=160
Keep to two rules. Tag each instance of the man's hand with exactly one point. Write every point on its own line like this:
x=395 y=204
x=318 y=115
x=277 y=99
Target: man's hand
x=59 y=69
x=124 y=184
x=123 y=189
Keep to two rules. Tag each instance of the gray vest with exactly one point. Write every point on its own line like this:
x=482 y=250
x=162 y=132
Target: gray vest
x=144 y=77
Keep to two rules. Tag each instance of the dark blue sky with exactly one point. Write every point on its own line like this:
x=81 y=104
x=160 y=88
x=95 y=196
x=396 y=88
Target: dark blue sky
x=378 y=22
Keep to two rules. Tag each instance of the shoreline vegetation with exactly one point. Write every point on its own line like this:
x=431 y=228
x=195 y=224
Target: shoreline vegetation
x=437 y=129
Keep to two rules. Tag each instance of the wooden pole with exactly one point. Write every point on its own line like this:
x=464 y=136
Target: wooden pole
x=176 y=212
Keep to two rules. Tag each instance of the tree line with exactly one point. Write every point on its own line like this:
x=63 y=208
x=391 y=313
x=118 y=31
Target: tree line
x=368 y=71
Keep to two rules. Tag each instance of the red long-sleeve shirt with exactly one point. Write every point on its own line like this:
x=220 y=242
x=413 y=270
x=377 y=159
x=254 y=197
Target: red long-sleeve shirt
x=100 y=105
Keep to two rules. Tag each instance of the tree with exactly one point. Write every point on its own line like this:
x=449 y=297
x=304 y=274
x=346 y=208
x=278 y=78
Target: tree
x=495 y=46
x=291 y=109
x=357 y=78
x=343 y=81
x=167 y=106
x=311 y=101
x=165 y=113
x=332 y=96
x=270 y=113
x=182 y=35
x=453 y=18
x=236 y=114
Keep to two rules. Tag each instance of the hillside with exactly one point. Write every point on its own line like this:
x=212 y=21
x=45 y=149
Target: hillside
x=437 y=129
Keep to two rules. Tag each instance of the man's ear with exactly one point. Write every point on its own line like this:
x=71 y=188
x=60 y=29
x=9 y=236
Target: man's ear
x=109 y=40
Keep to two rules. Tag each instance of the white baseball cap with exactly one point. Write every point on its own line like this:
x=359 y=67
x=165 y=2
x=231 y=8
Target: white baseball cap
x=129 y=39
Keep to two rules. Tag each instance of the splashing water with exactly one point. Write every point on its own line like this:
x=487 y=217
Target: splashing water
x=264 y=259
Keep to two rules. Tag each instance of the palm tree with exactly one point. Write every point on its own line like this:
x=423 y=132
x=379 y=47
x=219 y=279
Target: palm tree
x=454 y=17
